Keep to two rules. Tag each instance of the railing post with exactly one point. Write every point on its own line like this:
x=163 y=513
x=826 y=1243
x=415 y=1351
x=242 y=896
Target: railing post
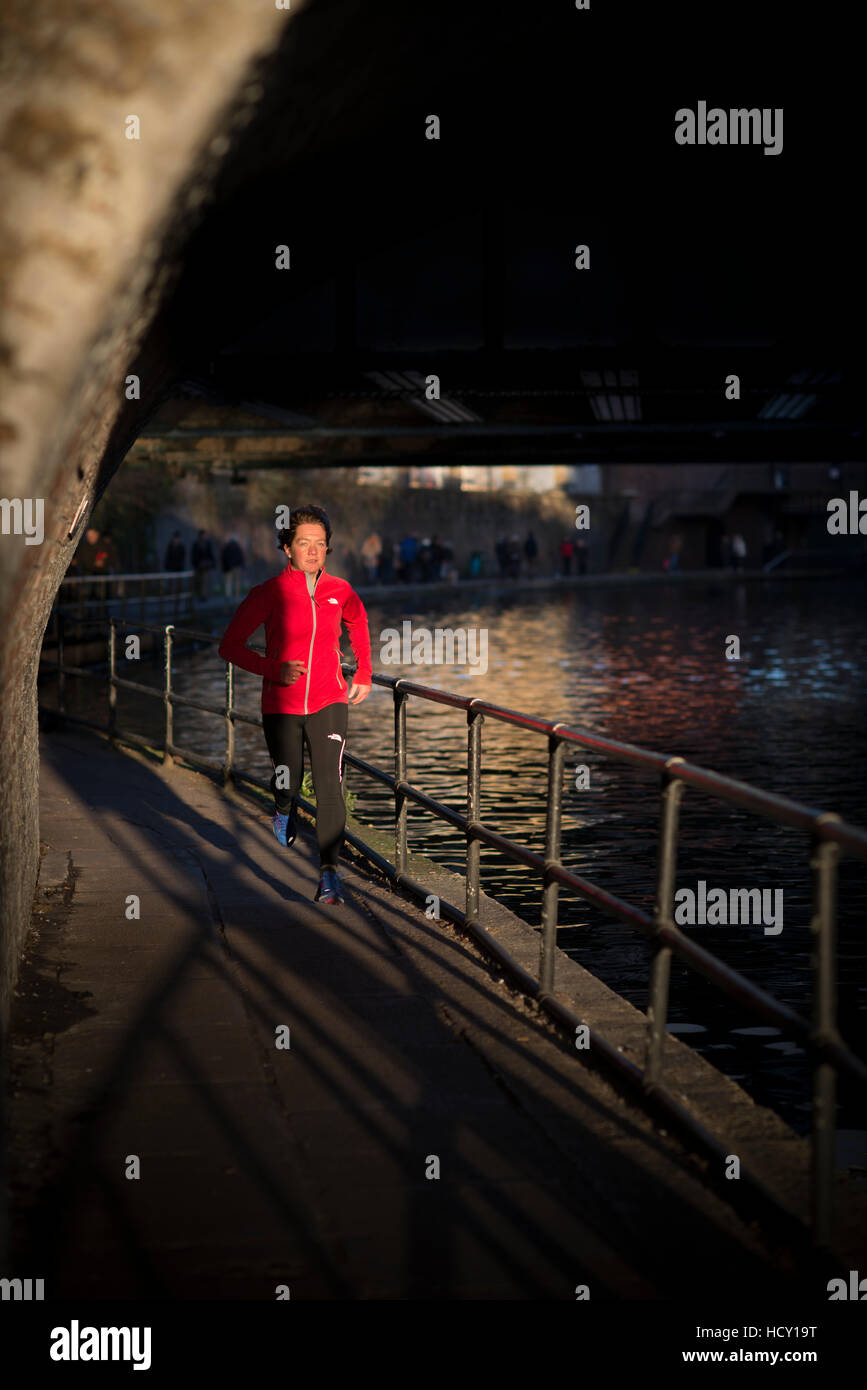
x=663 y=916
x=551 y=891
x=230 y=722
x=475 y=720
x=61 y=674
x=112 y=678
x=168 y=741
x=823 y=861
x=399 y=776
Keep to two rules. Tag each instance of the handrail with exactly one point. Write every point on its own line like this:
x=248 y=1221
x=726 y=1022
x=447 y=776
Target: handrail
x=830 y=838
x=777 y=560
x=169 y=592
x=149 y=574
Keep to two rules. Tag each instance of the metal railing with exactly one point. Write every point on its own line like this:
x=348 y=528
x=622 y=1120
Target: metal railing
x=777 y=560
x=160 y=594
x=829 y=839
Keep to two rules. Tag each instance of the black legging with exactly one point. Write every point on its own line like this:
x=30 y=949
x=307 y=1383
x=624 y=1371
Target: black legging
x=325 y=735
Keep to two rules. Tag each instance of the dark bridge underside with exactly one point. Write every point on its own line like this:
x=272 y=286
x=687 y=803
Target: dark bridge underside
x=457 y=256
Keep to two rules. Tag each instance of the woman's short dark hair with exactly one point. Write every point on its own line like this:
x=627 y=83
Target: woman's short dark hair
x=298 y=517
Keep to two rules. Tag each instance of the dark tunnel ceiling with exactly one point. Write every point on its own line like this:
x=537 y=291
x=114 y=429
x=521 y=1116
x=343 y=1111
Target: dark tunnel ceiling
x=457 y=257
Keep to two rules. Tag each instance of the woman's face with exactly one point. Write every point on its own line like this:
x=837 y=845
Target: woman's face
x=307 y=551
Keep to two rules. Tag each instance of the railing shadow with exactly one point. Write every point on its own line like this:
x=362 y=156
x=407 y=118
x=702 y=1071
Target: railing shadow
x=426 y=1263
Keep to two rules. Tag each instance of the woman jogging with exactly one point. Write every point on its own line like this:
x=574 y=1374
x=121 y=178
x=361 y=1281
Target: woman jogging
x=304 y=695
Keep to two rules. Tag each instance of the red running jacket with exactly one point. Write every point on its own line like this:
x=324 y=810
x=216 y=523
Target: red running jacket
x=300 y=627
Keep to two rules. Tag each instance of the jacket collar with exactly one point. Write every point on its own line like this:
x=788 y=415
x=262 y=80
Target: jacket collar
x=299 y=576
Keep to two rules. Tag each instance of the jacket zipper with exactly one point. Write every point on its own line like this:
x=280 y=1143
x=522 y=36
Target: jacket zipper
x=312 y=637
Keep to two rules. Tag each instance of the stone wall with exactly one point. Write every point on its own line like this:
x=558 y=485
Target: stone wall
x=469 y=520
x=91 y=228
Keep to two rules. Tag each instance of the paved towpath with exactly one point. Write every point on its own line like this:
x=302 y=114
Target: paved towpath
x=425 y=1134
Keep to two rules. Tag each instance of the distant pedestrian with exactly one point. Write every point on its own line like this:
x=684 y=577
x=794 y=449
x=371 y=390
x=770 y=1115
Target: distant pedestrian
x=371 y=552
x=85 y=554
x=566 y=549
x=449 y=572
x=385 y=573
x=106 y=559
x=581 y=555
x=408 y=553
x=176 y=554
x=232 y=561
x=531 y=550
x=437 y=557
x=203 y=563
x=501 y=550
x=739 y=551
x=425 y=560
x=513 y=557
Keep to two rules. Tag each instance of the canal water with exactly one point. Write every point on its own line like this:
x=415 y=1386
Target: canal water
x=644 y=664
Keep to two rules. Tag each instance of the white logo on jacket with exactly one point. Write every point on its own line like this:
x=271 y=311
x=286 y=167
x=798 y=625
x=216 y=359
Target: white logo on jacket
x=332 y=600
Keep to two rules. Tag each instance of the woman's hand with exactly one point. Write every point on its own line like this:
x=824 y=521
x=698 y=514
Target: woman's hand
x=360 y=692
x=290 y=671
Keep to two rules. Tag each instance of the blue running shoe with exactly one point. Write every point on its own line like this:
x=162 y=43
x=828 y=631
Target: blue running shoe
x=285 y=827
x=329 y=887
